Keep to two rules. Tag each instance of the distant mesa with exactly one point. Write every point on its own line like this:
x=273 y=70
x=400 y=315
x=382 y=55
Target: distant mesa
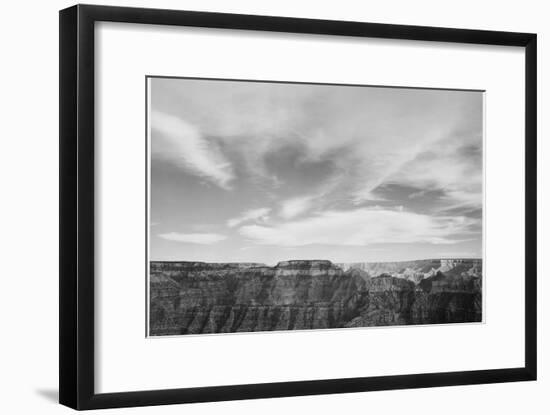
x=305 y=264
x=419 y=270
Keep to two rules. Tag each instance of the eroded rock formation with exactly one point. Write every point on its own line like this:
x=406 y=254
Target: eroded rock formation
x=418 y=270
x=198 y=297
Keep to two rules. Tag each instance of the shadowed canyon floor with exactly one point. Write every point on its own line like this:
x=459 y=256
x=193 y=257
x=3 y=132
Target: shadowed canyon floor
x=199 y=297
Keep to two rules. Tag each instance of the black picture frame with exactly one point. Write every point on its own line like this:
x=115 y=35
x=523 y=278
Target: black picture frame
x=76 y=279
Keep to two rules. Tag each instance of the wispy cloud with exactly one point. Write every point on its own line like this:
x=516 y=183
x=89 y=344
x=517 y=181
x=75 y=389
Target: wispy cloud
x=193 y=238
x=293 y=207
x=362 y=227
x=260 y=215
x=182 y=144
x=380 y=135
x=459 y=254
x=453 y=166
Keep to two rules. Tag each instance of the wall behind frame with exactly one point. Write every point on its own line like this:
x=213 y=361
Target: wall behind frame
x=29 y=206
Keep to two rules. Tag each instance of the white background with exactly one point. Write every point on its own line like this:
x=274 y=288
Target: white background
x=124 y=53
x=29 y=209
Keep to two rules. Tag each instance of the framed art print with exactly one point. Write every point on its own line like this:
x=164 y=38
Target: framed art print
x=260 y=206
x=342 y=174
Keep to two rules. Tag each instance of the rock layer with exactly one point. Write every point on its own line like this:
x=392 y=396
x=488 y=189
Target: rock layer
x=198 y=297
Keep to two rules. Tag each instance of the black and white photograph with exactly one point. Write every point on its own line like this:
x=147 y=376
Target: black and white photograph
x=290 y=206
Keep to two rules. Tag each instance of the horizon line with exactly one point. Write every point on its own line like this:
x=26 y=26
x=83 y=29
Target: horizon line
x=317 y=259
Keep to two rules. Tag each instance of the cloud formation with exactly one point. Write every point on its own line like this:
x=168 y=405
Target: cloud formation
x=316 y=159
x=380 y=135
x=293 y=207
x=193 y=238
x=363 y=227
x=260 y=215
x=182 y=143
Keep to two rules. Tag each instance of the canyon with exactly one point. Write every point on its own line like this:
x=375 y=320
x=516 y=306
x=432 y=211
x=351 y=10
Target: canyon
x=199 y=297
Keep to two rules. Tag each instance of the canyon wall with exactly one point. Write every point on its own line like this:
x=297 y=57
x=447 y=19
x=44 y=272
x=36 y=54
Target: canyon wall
x=198 y=297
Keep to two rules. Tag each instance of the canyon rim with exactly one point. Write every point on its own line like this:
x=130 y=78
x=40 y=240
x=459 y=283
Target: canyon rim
x=198 y=297
x=298 y=206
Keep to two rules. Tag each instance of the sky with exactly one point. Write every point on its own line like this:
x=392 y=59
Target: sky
x=266 y=172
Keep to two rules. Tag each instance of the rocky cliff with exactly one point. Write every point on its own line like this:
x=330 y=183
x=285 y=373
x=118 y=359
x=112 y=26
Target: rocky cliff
x=198 y=297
